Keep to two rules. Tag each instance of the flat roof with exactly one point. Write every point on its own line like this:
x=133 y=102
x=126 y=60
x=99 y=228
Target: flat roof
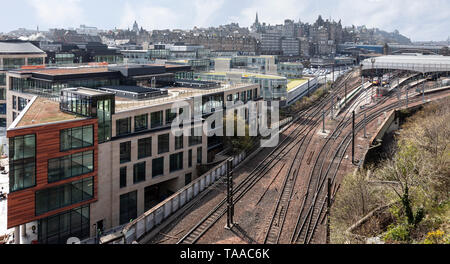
x=44 y=111
x=246 y=74
x=293 y=83
x=65 y=71
x=131 y=89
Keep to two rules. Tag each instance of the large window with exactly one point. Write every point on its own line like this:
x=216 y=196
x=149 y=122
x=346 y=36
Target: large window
x=104 y=112
x=64 y=195
x=22 y=103
x=70 y=166
x=2 y=108
x=125 y=152
x=56 y=229
x=156 y=119
x=77 y=137
x=163 y=143
x=22 y=173
x=139 y=172
x=157 y=167
x=199 y=155
x=179 y=142
x=144 y=147
x=176 y=162
x=123 y=126
x=170 y=116
x=128 y=207
x=140 y=123
x=123 y=177
x=190 y=158
x=196 y=136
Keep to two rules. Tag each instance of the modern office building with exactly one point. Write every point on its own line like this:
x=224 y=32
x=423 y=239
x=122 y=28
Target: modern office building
x=95 y=158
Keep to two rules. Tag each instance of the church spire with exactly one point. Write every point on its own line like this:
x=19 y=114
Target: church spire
x=256 y=20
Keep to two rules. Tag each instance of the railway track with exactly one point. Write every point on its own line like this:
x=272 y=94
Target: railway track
x=304 y=229
x=285 y=147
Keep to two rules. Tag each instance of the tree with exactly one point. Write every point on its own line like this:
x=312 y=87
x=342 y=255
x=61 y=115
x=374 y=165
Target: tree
x=237 y=143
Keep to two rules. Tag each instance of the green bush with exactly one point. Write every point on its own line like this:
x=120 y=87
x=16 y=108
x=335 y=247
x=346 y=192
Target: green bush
x=398 y=233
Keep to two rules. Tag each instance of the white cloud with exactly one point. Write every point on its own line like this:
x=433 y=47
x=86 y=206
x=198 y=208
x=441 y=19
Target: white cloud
x=149 y=17
x=206 y=11
x=56 y=13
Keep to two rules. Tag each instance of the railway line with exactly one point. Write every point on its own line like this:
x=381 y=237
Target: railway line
x=292 y=141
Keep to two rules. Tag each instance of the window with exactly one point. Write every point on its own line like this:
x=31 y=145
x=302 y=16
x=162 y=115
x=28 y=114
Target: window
x=22 y=103
x=163 y=143
x=190 y=158
x=170 y=116
x=140 y=123
x=56 y=229
x=157 y=167
x=3 y=109
x=199 y=155
x=22 y=150
x=139 y=172
x=125 y=152
x=156 y=119
x=194 y=139
x=151 y=196
x=230 y=97
x=144 y=147
x=179 y=142
x=187 y=178
x=128 y=207
x=77 y=137
x=64 y=195
x=123 y=177
x=176 y=162
x=123 y=126
x=70 y=166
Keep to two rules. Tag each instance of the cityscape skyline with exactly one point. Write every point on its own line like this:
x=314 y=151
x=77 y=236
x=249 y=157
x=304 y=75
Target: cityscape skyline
x=420 y=21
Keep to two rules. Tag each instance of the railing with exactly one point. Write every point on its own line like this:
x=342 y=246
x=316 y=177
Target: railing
x=155 y=216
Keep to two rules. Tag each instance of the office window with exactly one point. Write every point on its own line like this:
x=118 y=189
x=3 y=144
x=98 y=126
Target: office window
x=64 y=195
x=2 y=108
x=70 y=166
x=179 y=142
x=77 y=137
x=157 y=167
x=230 y=97
x=170 y=116
x=144 y=147
x=22 y=161
x=156 y=119
x=56 y=229
x=123 y=177
x=22 y=103
x=128 y=207
x=199 y=155
x=139 y=172
x=140 y=122
x=123 y=126
x=193 y=139
x=190 y=158
x=125 y=152
x=187 y=178
x=176 y=162
x=163 y=143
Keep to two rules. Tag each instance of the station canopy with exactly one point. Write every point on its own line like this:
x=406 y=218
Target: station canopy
x=410 y=62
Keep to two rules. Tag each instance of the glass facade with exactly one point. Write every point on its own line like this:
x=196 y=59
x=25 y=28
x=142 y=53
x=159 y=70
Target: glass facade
x=128 y=207
x=56 y=229
x=77 y=137
x=70 y=166
x=22 y=171
x=105 y=109
x=13 y=63
x=64 y=195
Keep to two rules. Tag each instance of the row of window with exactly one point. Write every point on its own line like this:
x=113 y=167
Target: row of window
x=141 y=122
x=175 y=164
x=70 y=166
x=77 y=137
x=22 y=172
x=145 y=145
x=64 y=195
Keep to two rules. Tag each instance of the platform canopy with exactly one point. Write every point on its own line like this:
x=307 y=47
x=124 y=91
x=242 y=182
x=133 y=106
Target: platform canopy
x=411 y=62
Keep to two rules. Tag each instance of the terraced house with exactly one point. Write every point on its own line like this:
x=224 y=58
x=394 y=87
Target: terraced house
x=89 y=158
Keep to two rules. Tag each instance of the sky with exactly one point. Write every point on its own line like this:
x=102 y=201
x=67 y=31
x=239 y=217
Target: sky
x=419 y=20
